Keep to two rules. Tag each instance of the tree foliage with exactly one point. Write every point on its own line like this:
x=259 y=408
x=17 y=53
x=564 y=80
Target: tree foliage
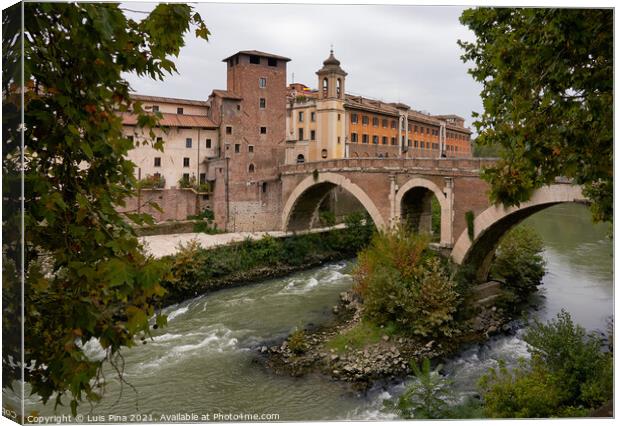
x=547 y=91
x=567 y=375
x=402 y=281
x=85 y=273
x=519 y=261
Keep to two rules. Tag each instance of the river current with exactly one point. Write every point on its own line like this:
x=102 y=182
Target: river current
x=204 y=361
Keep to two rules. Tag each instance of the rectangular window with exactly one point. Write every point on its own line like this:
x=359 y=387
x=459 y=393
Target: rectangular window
x=155 y=108
x=375 y=140
x=408 y=142
x=229 y=130
x=312 y=135
x=188 y=142
x=300 y=134
x=300 y=117
x=254 y=59
x=263 y=130
x=393 y=141
x=384 y=140
x=157 y=162
x=338 y=117
x=208 y=143
x=186 y=177
x=354 y=118
x=262 y=103
x=130 y=138
x=272 y=62
x=409 y=127
x=237 y=148
x=364 y=138
x=415 y=128
x=313 y=116
x=375 y=121
x=262 y=82
x=384 y=123
x=179 y=110
x=203 y=177
x=365 y=119
x=427 y=130
x=353 y=137
x=394 y=124
x=421 y=129
x=415 y=144
x=186 y=162
x=250 y=148
x=338 y=140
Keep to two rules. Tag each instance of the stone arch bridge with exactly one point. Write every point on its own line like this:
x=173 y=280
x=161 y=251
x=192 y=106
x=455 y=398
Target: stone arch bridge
x=394 y=190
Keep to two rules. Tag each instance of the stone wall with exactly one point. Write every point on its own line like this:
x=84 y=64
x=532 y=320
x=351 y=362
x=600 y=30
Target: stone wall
x=176 y=204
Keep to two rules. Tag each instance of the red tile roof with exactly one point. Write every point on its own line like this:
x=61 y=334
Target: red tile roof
x=173 y=120
x=138 y=97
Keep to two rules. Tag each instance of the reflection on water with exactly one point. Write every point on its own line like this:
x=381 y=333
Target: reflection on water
x=204 y=360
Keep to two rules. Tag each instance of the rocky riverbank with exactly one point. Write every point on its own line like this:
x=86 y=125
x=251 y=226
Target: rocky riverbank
x=387 y=359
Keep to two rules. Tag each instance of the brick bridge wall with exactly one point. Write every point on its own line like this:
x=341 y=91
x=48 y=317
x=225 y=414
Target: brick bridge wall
x=455 y=182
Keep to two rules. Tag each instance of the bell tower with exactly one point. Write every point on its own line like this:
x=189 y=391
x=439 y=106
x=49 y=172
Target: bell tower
x=331 y=118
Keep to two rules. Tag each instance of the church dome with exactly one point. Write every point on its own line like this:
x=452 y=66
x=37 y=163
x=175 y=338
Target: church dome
x=331 y=60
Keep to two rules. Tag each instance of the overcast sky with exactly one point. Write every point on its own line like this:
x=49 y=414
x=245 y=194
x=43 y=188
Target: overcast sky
x=393 y=53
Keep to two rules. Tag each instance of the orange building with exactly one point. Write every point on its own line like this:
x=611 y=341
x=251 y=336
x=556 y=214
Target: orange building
x=364 y=127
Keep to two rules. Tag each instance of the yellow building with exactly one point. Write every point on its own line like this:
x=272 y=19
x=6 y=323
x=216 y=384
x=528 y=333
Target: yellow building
x=328 y=123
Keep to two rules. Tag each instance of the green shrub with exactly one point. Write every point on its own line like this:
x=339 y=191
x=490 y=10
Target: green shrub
x=401 y=281
x=152 y=181
x=568 y=375
x=519 y=261
x=297 y=342
x=435 y=218
x=469 y=219
x=327 y=218
x=427 y=397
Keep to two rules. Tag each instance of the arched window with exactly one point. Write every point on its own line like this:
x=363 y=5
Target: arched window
x=251 y=168
x=325 y=87
x=338 y=85
x=300 y=159
x=324 y=153
x=355 y=155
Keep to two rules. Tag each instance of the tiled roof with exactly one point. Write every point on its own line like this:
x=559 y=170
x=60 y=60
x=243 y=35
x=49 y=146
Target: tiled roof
x=138 y=97
x=258 y=53
x=173 y=120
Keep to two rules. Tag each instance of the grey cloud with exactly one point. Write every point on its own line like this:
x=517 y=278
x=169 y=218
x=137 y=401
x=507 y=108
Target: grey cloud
x=393 y=53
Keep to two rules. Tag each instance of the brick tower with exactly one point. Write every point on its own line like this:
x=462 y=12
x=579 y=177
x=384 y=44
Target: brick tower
x=254 y=140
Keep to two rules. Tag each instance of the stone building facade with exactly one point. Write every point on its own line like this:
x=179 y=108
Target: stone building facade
x=225 y=153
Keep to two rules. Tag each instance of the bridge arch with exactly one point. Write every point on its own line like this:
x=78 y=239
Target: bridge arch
x=307 y=196
x=428 y=187
x=495 y=221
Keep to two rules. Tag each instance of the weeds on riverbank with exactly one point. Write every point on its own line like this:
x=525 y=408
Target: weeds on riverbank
x=195 y=270
x=568 y=375
x=362 y=334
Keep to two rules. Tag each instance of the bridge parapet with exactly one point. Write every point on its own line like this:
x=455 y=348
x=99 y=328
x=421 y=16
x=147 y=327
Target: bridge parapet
x=448 y=166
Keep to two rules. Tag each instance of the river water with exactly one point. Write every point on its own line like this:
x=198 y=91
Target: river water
x=204 y=361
